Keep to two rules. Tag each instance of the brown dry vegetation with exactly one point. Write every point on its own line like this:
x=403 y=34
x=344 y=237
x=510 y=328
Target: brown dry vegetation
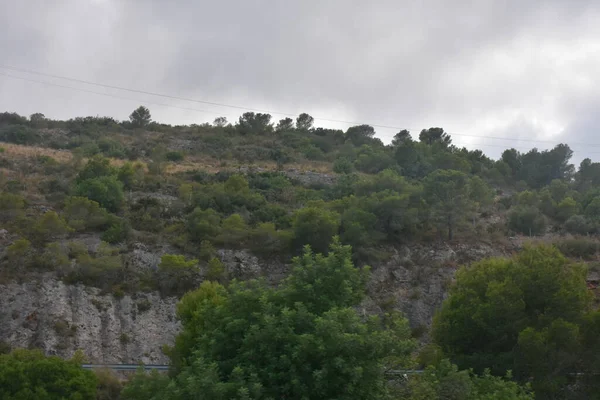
x=21 y=151
x=191 y=164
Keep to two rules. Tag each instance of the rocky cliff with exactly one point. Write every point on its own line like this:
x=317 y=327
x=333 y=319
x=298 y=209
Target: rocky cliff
x=60 y=318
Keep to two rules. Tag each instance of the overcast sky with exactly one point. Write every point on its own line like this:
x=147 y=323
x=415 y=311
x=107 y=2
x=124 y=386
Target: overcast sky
x=512 y=69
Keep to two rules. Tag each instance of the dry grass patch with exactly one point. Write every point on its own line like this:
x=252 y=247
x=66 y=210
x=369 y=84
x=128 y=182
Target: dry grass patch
x=21 y=151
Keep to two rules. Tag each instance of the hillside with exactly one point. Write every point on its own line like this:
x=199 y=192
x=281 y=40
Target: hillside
x=106 y=223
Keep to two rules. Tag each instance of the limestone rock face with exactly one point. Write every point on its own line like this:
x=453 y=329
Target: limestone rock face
x=61 y=319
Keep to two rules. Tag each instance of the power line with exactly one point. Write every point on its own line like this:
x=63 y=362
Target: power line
x=212 y=112
x=102 y=94
x=154 y=93
x=239 y=107
x=28 y=71
x=507 y=147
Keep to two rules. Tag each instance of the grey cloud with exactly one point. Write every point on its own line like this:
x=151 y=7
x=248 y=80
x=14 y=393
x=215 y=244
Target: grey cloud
x=485 y=68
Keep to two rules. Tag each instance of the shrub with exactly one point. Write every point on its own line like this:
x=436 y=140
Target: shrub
x=174 y=156
x=117 y=232
x=315 y=226
x=19 y=253
x=105 y=190
x=5 y=348
x=109 y=385
x=176 y=275
x=527 y=220
x=592 y=210
x=203 y=224
x=96 y=167
x=111 y=148
x=578 y=247
x=207 y=251
x=28 y=374
x=234 y=231
x=266 y=240
x=274 y=213
x=53 y=258
x=148 y=214
x=90 y=149
x=578 y=224
x=132 y=175
x=63 y=329
x=566 y=209
x=19 y=134
x=343 y=165
x=82 y=213
x=124 y=338
x=215 y=270
x=11 y=205
x=144 y=305
x=104 y=271
x=49 y=226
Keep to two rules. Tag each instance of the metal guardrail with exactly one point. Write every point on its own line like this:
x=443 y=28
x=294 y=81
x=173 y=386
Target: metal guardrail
x=125 y=367
x=135 y=367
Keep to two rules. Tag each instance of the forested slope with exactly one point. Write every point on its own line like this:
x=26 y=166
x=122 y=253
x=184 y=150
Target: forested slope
x=135 y=210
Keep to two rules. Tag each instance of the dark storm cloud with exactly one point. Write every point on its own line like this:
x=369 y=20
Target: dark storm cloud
x=516 y=69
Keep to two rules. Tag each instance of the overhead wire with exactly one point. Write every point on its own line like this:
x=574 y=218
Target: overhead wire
x=114 y=87
x=102 y=94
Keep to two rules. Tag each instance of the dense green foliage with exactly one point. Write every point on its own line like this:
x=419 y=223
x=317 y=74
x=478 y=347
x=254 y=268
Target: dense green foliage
x=530 y=314
x=302 y=340
x=382 y=195
x=28 y=375
x=141 y=183
x=445 y=382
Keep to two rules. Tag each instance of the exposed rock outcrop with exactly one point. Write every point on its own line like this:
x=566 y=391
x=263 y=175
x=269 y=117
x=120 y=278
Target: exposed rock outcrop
x=60 y=319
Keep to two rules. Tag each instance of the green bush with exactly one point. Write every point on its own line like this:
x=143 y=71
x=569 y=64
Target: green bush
x=274 y=213
x=111 y=148
x=20 y=253
x=267 y=241
x=48 y=227
x=5 y=348
x=109 y=385
x=174 y=156
x=117 y=232
x=523 y=313
x=131 y=174
x=207 y=251
x=203 y=224
x=19 y=134
x=82 y=213
x=527 y=220
x=234 y=231
x=578 y=224
x=143 y=305
x=105 y=190
x=578 y=247
x=104 y=271
x=566 y=209
x=124 y=338
x=53 y=258
x=176 y=275
x=96 y=167
x=316 y=227
x=215 y=271
x=90 y=149
x=28 y=374
x=11 y=206
x=343 y=165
